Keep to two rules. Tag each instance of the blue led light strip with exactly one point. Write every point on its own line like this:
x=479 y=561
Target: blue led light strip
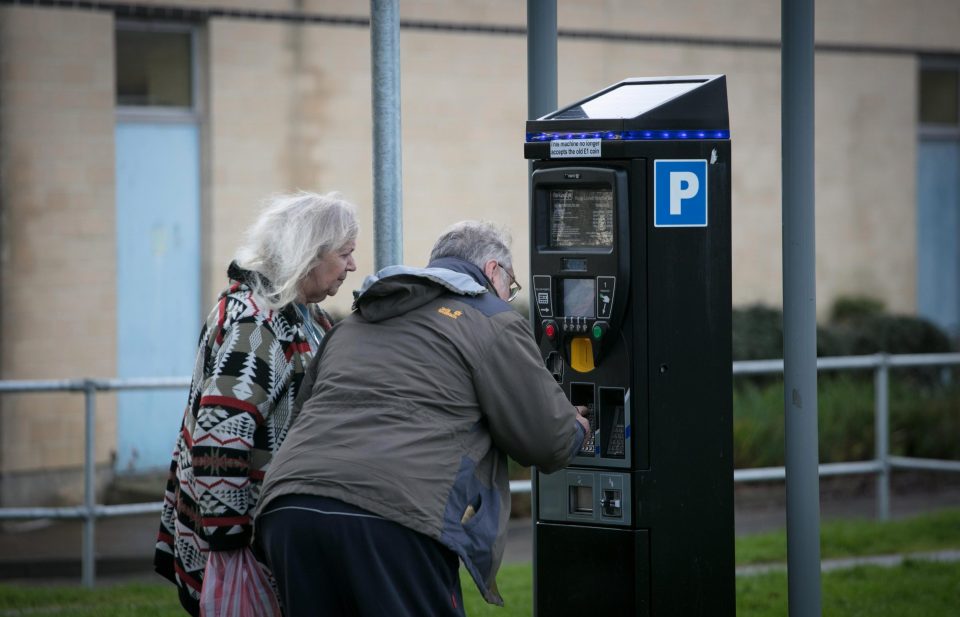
x=632 y=135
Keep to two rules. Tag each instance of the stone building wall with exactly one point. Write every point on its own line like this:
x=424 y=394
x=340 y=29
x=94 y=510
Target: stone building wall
x=287 y=106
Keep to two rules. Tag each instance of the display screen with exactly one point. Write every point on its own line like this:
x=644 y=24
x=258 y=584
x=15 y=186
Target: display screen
x=580 y=297
x=581 y=218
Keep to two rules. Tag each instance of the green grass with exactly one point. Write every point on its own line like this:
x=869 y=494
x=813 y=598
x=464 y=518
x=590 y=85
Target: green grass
x=915 y=589
x=855 y=538
x=515 y=582
x=128 y=600
x=912 y=589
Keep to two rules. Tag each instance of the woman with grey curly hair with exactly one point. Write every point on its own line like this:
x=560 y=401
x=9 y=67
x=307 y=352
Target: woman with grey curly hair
x=253 y=352
x=292 y=239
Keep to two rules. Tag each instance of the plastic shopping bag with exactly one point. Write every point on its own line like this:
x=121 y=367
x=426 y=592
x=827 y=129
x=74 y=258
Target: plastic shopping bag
x=235 y=585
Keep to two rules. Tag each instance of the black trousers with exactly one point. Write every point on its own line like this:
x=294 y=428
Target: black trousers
x=333 y=559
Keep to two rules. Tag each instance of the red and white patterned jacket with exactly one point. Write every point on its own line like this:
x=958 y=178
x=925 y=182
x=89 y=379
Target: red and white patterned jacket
x=249 y=366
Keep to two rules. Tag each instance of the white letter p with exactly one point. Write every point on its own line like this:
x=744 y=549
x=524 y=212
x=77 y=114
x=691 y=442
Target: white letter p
x=683 y=185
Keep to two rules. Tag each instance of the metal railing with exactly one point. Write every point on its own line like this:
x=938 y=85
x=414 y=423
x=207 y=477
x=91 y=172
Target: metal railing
x=881 y=465
x=883 y=462
x=90 y=511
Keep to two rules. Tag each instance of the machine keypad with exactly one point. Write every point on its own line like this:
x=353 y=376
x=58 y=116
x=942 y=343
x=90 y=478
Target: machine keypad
x=589 y=446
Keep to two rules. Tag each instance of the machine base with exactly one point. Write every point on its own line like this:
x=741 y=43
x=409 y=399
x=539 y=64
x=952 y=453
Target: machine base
x=582 y=570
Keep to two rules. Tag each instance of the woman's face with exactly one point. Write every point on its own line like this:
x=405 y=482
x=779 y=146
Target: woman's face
x=326 y=277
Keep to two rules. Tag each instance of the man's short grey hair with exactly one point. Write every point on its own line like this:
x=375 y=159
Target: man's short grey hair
x=475 y=241
x=293 y=232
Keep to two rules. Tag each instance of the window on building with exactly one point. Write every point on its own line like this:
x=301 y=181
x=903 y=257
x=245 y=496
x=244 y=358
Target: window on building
x=154 y=68
x=940 y=96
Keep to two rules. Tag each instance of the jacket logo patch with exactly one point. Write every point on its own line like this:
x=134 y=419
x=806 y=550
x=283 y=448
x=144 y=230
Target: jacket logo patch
x=447 y=312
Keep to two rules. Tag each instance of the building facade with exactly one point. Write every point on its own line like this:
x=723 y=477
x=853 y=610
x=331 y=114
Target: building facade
x=137 y=140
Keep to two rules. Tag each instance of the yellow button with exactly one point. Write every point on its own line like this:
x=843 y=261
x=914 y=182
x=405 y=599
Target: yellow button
x=581 y=354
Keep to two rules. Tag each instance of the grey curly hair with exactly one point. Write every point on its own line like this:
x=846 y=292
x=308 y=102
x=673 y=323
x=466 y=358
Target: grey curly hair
x=475 y=241
x=293 y=232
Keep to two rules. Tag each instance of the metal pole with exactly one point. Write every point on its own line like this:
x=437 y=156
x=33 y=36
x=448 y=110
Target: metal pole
x=881 y=398
x=799 y=311
x=541 y=57
x=541 y=100
x=88 y=562
x=387 y=179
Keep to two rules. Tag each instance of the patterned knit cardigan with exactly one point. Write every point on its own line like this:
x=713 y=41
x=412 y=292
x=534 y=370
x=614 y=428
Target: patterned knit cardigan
x=249 y=367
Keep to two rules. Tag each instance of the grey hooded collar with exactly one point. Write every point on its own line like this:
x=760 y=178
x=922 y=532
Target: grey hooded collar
x=396 y=290
x=457 y=282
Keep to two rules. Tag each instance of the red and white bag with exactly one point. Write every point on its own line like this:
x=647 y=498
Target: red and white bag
x=235 y=585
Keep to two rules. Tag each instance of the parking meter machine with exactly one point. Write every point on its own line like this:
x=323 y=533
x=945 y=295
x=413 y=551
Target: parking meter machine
x=630 y=306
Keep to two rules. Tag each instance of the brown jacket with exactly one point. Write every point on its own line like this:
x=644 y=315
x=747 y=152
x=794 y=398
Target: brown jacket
x=419 y=396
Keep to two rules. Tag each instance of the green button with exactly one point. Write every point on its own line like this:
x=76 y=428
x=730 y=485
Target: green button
x=597 y=331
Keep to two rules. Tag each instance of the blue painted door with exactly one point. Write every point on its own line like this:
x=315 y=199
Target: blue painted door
x=158 y=282
x=938 y=226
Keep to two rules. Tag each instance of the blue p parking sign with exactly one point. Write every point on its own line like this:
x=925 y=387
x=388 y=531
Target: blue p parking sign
x=680 y=193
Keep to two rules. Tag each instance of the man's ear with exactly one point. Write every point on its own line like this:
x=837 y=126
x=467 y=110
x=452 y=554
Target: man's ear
x=490 y=268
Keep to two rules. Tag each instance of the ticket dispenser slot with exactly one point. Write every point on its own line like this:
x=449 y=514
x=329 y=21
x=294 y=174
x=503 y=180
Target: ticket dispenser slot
x=581 y=501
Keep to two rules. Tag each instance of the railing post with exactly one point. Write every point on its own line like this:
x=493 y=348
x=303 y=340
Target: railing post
x=88 y=560
x=881 y=403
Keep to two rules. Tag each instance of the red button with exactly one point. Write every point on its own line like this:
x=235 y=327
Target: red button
x=550 y=331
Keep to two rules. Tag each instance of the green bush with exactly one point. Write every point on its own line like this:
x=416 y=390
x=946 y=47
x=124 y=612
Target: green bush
x=853 y=308
x=757 y=333
x=924 y=420
x=894 y=334
x=845 y=418
x=858 y=326
x=757 y=423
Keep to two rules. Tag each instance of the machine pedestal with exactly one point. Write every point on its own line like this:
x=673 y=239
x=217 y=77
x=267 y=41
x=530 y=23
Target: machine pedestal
x=583 y=570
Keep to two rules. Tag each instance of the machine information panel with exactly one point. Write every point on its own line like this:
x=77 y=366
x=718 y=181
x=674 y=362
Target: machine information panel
x=581 y=218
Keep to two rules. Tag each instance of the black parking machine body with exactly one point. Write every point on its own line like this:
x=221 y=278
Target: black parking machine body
x=630 y=306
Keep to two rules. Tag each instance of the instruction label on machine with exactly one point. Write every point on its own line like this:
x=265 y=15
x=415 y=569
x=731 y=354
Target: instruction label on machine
x=574 y=148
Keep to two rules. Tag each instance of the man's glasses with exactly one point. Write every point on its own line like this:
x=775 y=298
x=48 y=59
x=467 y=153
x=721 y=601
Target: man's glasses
x=514 y=285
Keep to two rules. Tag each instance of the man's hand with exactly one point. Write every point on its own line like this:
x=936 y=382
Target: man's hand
x=582 y=413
